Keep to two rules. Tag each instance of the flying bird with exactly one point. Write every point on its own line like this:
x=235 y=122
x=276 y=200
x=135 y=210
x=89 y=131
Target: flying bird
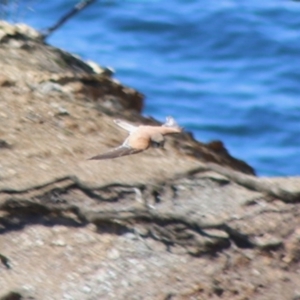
x=141 y=138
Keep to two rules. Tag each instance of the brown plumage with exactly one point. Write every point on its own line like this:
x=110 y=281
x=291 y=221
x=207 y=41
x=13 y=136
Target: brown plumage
x=141 y=138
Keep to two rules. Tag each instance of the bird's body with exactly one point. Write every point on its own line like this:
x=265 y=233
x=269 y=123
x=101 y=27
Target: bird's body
x=141 y=138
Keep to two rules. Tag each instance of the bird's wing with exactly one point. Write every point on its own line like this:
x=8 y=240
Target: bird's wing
x=127 y=126
x=170 y=127
x=170 y=122
x=117 y=152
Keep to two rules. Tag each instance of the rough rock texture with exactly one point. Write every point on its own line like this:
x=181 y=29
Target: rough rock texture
x=189 y=222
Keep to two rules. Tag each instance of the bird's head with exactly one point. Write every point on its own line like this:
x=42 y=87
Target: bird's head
x=157 y=140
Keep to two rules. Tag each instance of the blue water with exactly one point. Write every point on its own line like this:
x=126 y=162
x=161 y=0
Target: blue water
x=224 y=69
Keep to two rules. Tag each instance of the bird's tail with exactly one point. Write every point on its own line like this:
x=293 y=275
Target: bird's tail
x=125 y=125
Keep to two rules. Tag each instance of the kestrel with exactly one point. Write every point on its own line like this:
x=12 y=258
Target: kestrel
x=141 y=138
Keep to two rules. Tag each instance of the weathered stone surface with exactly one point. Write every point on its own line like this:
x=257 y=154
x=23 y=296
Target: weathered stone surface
x=189 y=222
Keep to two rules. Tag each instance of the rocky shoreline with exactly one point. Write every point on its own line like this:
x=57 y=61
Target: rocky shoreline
x=187 y=222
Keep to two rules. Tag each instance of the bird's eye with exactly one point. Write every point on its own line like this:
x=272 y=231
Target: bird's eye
x=157 y=144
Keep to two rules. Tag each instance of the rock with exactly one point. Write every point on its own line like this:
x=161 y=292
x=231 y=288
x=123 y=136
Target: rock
x=190 y=222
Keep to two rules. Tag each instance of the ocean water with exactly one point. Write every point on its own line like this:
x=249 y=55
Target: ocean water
x=226 y=70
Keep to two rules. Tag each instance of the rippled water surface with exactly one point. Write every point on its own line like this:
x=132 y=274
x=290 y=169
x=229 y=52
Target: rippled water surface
x=224 y=69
